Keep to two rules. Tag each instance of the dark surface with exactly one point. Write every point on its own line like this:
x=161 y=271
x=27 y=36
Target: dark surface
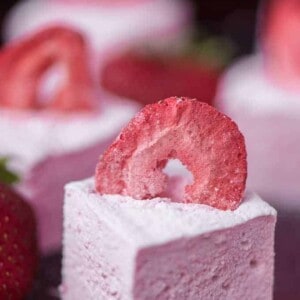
x=4 y=7
x=287 y=259
x=234 y=19
x=48 y=279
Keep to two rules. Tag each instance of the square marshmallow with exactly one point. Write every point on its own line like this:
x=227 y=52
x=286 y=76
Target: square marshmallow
x=116 y=247
x=48 y=150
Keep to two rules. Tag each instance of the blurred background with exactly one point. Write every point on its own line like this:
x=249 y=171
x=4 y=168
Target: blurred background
x=234 y=19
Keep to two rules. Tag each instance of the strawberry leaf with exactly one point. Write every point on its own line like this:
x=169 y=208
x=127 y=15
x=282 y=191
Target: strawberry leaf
x=6 y=175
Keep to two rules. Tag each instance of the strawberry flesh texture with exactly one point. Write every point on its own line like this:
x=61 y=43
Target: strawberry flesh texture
x=18 y=245
x=148 y=79
x=207 y=142
x=23 y=64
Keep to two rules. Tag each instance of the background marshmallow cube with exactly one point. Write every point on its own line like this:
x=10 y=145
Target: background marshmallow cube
x=48 y=150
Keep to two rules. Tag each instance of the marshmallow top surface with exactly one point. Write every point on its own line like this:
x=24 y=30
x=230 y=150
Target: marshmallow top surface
x=156 y=221
x=31 y=136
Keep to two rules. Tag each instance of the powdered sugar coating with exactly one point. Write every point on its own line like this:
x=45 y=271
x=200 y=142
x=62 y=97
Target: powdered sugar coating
x=169 y=220
x=116 y=247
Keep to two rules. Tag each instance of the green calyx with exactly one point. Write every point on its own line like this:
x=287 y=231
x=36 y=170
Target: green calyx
x=6 y=175
x=215 y=51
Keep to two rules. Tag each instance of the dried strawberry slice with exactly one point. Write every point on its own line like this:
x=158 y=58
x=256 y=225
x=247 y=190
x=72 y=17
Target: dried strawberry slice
x=280 y=41
x=207 y=142
x=23 y=64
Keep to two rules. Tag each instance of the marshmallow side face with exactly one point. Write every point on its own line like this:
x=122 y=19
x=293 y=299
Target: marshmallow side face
x=115 y=246
x=225 y=264
x=268 y=115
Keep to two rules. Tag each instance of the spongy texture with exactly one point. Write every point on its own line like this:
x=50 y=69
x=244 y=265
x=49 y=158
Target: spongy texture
x=235 y=263
x=207 y=142
x=116 y=247
x=23 y=64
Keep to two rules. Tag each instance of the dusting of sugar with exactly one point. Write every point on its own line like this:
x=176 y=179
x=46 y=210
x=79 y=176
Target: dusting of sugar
x=159 y=220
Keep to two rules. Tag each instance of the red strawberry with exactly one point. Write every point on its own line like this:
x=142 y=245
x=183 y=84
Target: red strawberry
x=23 y=64
x=207 y=142
x=18 y=245
x=148 y=78
x=280 y=41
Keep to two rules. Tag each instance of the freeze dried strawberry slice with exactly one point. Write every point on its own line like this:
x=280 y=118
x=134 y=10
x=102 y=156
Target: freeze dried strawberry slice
x=22 y=66
x=280 y=41
x=207 y=142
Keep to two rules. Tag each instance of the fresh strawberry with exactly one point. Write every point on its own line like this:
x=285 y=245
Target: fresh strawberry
x=148 y=78
x=18 y=245
x=280 y=41
x=207 y=142
x=23 y=65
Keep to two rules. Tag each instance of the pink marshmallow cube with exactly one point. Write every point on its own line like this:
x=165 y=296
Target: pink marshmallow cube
x=47 y=150
x=115 y=247
x=268 y=115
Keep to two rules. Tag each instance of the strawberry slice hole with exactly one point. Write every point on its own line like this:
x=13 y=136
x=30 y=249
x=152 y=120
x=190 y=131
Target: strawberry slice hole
x=50 y=83
x=178 y=178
